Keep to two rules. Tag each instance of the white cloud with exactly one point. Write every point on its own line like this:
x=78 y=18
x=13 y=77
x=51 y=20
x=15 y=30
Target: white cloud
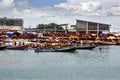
x=31 y=16
x=82 y=6
x=66 y=12
x=115 y=11
x=23 y=4
x=4 y=4
x=15 y=11
x=106 y=3
x=91 y=8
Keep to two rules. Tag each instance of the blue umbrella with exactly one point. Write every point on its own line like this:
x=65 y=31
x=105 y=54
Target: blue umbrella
x=9 y=33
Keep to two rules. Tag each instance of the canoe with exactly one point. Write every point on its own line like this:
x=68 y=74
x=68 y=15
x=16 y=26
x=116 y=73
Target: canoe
x=104 y=43
x=88 y=47
x=20 y=47
x=3 y=47
x=61 y=49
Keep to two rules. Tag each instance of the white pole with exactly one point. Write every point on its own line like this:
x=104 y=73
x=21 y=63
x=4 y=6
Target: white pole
x=97 y=28
x=87 y=28
x=66 y=29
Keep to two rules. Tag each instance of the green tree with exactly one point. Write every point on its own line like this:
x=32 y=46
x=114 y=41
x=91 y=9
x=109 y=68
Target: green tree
x=49 y=26
x=52 y=25
x=41 y=26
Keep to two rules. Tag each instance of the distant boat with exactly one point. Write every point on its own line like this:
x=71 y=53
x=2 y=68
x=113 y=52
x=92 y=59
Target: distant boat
x=3 y=47
x=61 y=49
x=104 y=43
x=117 y=43
x=88 y=47
x=19 y=47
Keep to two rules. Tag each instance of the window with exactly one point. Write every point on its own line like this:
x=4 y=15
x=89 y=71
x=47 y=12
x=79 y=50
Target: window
x=103 y=27
x=92 y=26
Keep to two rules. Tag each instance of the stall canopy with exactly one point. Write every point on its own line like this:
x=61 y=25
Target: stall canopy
x=17 y=33
x=9 y=33
x=13 y=33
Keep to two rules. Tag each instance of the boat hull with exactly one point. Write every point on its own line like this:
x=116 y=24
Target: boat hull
x=3 y=47
x=86 y=47
x=63 y=49
x=18 y=47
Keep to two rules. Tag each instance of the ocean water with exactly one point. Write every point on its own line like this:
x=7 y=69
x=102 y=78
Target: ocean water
x=96 y=64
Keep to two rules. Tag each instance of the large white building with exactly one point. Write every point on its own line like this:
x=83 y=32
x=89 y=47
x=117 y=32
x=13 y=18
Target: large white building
x=11 y=24
x=81 y=26
x=89 y=26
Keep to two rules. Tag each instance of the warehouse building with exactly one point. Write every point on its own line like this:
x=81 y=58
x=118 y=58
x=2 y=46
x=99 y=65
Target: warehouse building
x=81 y=26
x=91 y=27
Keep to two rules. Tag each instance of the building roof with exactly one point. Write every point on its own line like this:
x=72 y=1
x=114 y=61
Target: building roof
x=94 y=22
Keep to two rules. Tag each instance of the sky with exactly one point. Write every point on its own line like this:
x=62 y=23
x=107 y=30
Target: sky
x=34 y=12
x=42 y=3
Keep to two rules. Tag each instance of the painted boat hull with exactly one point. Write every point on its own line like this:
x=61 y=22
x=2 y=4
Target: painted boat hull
x=18 y=47
x=63 y=49
x=86 y=47
x=3 y=47
x=104 y=43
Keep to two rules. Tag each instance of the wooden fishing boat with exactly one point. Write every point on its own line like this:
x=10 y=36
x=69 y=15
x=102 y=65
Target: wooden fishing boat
x=3 y=47
x=19 y=47
x=104 y=43
x=86 y=47
x=117 y=42
x=61 y=49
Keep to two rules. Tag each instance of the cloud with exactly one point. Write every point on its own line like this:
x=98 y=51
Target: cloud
x=106 y=3
x=91 y=8
x=4 y=4
x=31 y=16
x=21 y=9
x=82 y=6
x=23 y=4
x=115 y=11
x=66 y=12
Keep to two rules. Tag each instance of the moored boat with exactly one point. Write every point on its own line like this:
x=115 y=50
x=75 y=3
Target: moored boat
x=19 y=47
x=61 y=49
x=104 y=43
x=86 y=47
x=3 y=47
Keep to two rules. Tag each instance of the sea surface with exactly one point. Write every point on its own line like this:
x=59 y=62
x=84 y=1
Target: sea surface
x=101 y=63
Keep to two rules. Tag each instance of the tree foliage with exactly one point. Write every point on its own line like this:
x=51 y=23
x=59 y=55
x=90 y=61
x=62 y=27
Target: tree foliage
x=49 y=26
x=41 y=26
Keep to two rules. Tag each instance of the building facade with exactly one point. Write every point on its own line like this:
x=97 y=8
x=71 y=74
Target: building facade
x=92 y=27
x=11 y=24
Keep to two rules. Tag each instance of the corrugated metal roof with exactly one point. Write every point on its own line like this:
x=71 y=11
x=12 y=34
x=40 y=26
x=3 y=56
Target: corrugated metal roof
x=93 y=22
